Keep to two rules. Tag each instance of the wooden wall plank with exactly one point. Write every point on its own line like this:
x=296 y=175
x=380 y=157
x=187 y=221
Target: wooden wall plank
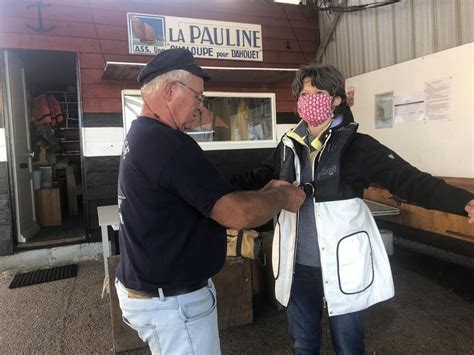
x=182 y=8
x=101 y=192
x=113 y=46
x=302 y=24
x=278 y=32
x=92 y=61
x=307 y=12
x=287 y=45
x=109 y=17
x=304 y=34
x=102 y=178
x=102 y=163
x=286 y=106
x=284 y=57
x=112 y=32
x=18 y=8
x=98 y=31
x=102 y=120
x=284 y=94
x=91 y=76
x=100 y=90
x=61 y=28
x=101 y=105
x=30 y=41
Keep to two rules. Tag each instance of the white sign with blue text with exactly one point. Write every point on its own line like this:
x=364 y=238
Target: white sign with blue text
x=151 y=34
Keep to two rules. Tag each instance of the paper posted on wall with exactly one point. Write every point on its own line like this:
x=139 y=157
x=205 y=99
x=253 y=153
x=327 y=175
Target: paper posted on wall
x=439 y=99
x=383 y=116
x=409 y=107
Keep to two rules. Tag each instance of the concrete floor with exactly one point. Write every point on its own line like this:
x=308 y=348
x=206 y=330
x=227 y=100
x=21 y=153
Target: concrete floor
x=432 y=313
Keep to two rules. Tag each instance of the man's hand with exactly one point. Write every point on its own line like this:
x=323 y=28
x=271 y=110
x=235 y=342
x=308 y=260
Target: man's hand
x=295 y=197
x=250 y=209
x=470 y=211
x=274 y=183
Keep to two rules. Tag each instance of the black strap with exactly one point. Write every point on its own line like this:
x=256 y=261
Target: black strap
x=238 y=246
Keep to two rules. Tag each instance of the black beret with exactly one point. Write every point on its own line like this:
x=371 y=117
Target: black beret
x=168 y=60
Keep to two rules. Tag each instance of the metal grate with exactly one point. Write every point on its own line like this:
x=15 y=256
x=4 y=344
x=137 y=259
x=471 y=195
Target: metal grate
x=41 y=276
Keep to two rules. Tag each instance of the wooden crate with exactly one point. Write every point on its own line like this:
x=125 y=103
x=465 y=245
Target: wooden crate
x=234 y=301
x=123 y=337
x=48 y=206
x=234 y=292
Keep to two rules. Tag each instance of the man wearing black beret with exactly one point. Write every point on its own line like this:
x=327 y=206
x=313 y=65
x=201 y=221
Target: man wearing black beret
x=174 y=206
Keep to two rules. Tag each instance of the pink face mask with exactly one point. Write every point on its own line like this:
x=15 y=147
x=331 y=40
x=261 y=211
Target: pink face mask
x=315 y=109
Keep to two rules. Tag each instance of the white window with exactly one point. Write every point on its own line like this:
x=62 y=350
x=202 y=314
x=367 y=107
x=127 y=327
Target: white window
x=227 y=120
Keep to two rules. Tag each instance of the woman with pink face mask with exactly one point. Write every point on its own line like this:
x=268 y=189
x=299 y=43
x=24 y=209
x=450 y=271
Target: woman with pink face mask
x=329 y=256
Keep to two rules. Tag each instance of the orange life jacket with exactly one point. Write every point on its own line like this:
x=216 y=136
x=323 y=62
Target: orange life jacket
x=46 y=110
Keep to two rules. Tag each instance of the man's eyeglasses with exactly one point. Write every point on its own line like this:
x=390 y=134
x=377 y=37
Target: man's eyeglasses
x=198 y=96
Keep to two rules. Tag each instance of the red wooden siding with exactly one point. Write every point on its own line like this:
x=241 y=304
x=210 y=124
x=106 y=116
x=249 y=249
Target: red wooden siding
x=98 y=31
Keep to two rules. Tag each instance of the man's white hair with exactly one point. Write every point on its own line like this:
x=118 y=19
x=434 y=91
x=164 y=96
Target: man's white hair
x=156 y=83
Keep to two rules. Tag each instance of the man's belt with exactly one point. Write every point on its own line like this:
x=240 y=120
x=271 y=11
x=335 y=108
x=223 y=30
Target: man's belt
x=167 y=291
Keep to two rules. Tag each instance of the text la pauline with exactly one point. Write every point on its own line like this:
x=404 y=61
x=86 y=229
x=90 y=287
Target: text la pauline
x=227 y=37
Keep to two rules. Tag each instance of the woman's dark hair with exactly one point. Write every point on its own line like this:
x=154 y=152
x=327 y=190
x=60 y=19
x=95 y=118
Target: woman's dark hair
x=324 y=77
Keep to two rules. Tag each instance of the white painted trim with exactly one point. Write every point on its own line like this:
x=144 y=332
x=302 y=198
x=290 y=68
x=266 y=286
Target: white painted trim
x=102 y=141
x=102 y=134
x=3 y=146
x=237 y=145
x=245 y=68
x=9 y=127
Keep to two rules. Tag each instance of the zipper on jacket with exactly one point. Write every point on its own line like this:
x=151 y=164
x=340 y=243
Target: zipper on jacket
x=324 y=146
x=286 y=145
x=296 y=242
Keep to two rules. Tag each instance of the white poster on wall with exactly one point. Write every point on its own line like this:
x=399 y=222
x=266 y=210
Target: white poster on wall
x=409 y=107
x=383 y=110
x=439 y=99
x=151 y=34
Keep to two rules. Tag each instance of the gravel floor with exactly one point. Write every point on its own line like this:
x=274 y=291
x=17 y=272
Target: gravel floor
x=432 y=313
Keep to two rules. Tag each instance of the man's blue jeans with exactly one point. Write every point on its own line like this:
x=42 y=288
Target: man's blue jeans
x=304 y=317
x=184 y=324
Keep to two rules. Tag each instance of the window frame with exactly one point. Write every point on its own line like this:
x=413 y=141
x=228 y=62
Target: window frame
x=218 y=145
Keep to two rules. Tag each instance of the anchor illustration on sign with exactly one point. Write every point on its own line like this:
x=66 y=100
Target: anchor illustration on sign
x=40 y=27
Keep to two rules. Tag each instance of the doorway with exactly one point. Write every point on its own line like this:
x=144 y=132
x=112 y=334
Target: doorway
x=43 y=137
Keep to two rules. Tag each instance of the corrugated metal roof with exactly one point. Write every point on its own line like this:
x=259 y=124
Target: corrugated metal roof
x=375 y=38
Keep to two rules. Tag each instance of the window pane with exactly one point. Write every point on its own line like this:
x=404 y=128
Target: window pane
x=234 y=119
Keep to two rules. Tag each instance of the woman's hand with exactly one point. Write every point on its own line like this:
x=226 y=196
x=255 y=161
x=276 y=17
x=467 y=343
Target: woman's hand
x=470 y=211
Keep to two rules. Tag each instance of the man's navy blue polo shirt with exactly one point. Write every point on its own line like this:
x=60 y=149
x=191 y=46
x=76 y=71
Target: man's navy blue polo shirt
x=167 y=189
